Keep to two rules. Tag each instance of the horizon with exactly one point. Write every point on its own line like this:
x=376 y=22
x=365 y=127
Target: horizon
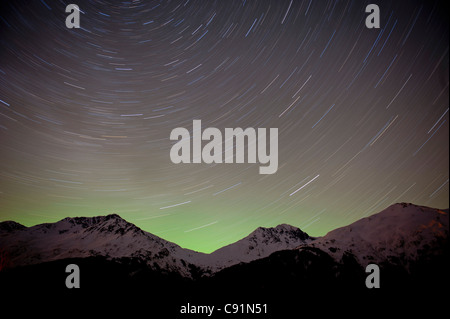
x=211 y=250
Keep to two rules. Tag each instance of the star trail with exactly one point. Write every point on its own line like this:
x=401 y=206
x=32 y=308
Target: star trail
x=86 y=114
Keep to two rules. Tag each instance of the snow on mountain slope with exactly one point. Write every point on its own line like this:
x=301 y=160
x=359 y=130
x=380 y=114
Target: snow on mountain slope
x=398 y=234
x=113 y=237
x=259 y=244
x=109 y=236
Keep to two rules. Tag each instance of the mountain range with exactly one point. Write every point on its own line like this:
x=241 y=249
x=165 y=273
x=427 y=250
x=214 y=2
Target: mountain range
x=409 y=243
x=114 y=238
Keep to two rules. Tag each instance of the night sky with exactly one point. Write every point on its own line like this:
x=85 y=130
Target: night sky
x=86 y=114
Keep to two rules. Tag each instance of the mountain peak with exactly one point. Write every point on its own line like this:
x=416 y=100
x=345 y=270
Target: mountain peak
x=286 y=227
x=260 y=243
x=396 y=225
x=278 y=227
x=111 y=224
x=281 y=230
x=90 y=221
x=10 y=225
x=404 y=205
x=113 y=216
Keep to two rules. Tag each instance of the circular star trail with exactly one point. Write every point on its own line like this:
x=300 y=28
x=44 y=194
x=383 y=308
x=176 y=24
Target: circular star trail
x=86 y=114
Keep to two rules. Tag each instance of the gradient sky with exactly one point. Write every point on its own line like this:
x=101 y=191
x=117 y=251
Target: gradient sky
x=86 y=114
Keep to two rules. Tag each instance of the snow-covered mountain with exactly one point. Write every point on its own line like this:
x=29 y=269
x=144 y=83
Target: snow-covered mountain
x=400 y=234
x=409 y=243
x=114 y=238
x=259 y=244
x=281 y=266
x=108 y=236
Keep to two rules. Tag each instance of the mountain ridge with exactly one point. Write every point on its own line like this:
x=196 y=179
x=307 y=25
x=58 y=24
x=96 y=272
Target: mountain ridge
x=382 y=237
x=323 y=274
x=114 y=237
x=400 y=229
